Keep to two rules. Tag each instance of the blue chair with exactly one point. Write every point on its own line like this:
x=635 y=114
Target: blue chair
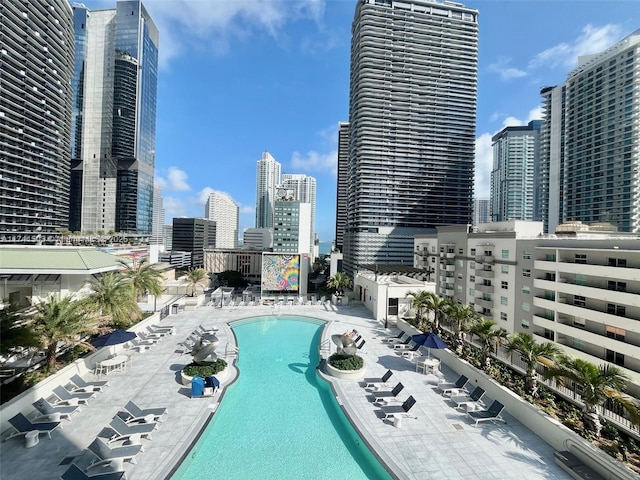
x=74 y=472
x=491 y=414
x=23 y=426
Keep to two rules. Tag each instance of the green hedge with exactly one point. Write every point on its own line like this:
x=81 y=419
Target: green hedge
x=346 y=362
x=193 y=370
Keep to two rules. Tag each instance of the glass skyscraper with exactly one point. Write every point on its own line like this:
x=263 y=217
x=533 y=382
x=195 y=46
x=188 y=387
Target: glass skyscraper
x=268 y=177
x=114 y=119
x=36 y=65
x=412 y=117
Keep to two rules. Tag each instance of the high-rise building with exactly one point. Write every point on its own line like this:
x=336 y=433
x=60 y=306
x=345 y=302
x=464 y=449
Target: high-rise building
x=268 y=177
x=114 y=119
x=292 y=223
x=481 y=211
x=590 y=141
x=412 y=115
x=36 y=66
x=303 y=189
x=158 y=217
x=193 y=235
x=516 y=161
x=342 y=183
x=221 y=209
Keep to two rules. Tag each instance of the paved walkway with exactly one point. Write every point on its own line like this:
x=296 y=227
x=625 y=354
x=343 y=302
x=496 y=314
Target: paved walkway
x=435 y=441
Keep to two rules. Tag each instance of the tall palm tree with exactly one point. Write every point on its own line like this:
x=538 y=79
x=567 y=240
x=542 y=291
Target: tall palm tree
x=59 y=320
x=339 y=281
x=599 y=383
x=462 y=317
x=420 y=302
x=490 y=339
x=14 y=331
x=112 y=301
x=197 y=276
x=144 y=277
x=533 y=353
x=439 y=307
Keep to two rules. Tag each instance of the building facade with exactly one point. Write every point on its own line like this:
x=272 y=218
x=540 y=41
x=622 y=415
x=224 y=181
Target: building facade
x=578 y=288
x=412 y=115
x=516 y=160
x=36 y=67
x=258 y=238
x=158 y=217
x=268 y=177
x=221 y=209
x=481 y=211
x=193 y=235
x=303 y=189
x=342 y=183
x=292 y=224
x=591 y=159
x=114 y=119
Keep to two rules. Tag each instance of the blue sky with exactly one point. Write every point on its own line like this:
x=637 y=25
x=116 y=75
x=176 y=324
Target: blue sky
x=241 y=77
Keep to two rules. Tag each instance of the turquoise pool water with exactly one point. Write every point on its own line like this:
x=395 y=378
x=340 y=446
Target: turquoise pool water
x=279 y=420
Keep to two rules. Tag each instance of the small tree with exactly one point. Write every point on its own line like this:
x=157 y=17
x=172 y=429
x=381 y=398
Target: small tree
x=112 y=301
x=197 y=277
x=439 y=306
x=533 y=353
x=462 y=317
x=420 y=303
x=339 y=281
x=144 y=277
x=598 y=383
x=59 y=320
x=490 y=339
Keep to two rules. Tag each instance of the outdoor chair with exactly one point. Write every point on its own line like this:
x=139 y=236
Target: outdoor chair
x=359 y=347
x=81 y=385
x=452 y=388
x=74 y=472
x=123 y=428
x=137 y=412
x=397 y=338
x=64 y=411
x=149 y=337
x=403 y=344
x=491 y=414
x=373 y=382
x=65 y=396
x=473 y=398
x=105 y=453
x=162 y=330
x=391 y=410
x=23 y=425
x=140 y=344
x=388 y=395
x=410 y=352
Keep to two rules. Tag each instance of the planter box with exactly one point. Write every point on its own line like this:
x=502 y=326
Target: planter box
x=186 y=379
x=345 y=374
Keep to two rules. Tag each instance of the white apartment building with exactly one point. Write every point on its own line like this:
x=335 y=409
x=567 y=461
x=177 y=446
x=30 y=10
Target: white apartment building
x=303 y=189
x=292 y=224
x=268 y=177
x=221 y=208
x=579 y=289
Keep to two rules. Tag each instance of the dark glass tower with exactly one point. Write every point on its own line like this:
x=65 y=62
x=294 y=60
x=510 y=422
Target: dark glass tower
x=36 y=65
x=115 y=88
x=412 y=115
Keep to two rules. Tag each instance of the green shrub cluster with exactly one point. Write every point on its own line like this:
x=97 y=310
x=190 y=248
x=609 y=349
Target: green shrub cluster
x=193 y=370
x=346 y=362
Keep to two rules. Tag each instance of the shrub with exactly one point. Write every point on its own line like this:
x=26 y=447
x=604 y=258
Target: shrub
x=193 y=370
x=346 y=362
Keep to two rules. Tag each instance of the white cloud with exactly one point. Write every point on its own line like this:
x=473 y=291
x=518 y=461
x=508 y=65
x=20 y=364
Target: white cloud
x=173 y=207
x=247 y=209
x=175 y=181
x=484 y=165
x=314 y=161
x=592 y=39
x=506 y=73
x=188 y=24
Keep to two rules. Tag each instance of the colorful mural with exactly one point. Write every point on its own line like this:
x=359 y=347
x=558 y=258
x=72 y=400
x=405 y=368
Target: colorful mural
x=280 y=272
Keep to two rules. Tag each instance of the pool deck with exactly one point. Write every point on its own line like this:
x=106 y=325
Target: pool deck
x=434 y=440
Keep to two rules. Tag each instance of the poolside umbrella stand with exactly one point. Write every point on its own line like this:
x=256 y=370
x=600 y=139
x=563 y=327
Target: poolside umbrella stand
x=115 y=337
x=429 y=340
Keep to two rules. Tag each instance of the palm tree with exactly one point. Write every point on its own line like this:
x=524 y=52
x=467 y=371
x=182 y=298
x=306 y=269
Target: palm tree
x=339 y=281
x=439 y=307
x=197 y=276
x=14 y=331
x=60 y=320
x=599 y=383
x=533 y=353
x=462 y=316
x=112 y=300
x=144 y=277
x=490 y=339
x=420 y=302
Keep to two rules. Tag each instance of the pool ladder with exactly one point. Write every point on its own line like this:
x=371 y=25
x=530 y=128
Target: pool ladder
x=230 y=350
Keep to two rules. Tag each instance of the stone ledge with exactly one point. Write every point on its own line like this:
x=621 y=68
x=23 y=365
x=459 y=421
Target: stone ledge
x=344 y=374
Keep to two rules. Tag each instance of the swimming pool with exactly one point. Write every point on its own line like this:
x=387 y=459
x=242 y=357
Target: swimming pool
x=279 y=420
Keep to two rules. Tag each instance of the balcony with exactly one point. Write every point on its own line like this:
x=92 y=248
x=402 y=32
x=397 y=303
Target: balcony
x=484 y=273
x=488 y=258
x=483 y=288
x=451 y=255
x=449 y=293
x=450 y=268
x=484 y=303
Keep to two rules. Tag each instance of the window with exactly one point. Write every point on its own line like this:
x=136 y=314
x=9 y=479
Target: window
x=579 y=301
x=505 y=254
x=579 y=322
x=461 y=263
x=526 y=272
x=459 y=288
x=460 y=251
x=505 y=285
x=472 y=264
x=503 y=316
x=615 y=357
x=526 y=255
x=616 y=333
x=504 y=300
x=619 y=310
x=580 y=258
x=505 y=268
x=617 y=286
x=578 y=344
x=581 y=280
x=472 y=292
x=472 y=278
x=526 y=289
x=525 y=323
x=473 y=252
x=526 y=307
x=617 y=262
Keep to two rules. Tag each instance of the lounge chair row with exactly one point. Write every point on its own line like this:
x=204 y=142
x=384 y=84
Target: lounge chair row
x=116 y=444
x=387 y=396
x=461 y=396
